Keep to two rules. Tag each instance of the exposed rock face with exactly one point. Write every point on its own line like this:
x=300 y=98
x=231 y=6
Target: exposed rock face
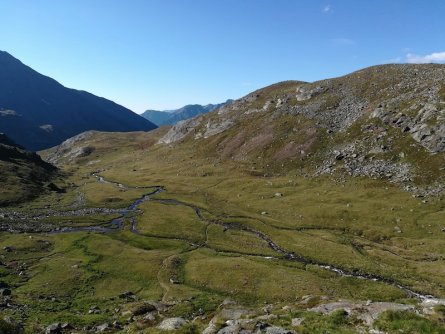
x=425 y=126
x=363 y=124
x=406 y=96
x=68 y=149
x=180 y=130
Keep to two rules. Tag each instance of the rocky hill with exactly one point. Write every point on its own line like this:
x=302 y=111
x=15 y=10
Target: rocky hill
x=171 y=117
x=37 y=112
x=24 y=174
x=383 y=122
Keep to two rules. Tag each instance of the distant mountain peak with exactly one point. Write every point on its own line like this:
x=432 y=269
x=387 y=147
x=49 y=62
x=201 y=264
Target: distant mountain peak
x=171 y=117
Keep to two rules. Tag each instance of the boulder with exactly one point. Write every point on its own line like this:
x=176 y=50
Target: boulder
x=170 y=324
x=278 y=330
x=143 y=308
x=297 y=321
x=232 y=329
x=54 y=328
x=102 y=328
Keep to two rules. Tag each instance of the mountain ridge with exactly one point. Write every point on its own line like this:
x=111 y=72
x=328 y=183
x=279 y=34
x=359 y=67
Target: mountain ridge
x=171 y=117
x=382 y=121
x=38 y=112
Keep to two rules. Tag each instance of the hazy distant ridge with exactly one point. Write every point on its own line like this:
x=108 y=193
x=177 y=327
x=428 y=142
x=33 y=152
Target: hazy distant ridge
x=171 y=117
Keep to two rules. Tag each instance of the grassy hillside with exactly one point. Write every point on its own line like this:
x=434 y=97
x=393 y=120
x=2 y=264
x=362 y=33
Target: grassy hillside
x=240 y=221
x=385 y=121
x=23 y=174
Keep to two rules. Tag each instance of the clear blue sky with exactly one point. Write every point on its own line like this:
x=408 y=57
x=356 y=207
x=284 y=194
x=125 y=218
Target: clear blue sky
x=162 y=54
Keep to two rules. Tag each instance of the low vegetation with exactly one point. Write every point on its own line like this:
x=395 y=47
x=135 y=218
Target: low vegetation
x=237 y=231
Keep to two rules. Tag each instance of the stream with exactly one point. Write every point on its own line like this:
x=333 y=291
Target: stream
x=118 y=224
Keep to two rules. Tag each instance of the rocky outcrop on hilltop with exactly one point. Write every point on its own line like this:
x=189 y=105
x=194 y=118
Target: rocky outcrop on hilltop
x=69 y=149
x=385 y=121
x=412 y=99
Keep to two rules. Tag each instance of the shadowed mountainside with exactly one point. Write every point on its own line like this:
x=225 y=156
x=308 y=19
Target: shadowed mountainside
x=37 y=112
x=24 y=174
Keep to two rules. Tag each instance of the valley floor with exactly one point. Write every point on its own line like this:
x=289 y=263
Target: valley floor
x=146 y=233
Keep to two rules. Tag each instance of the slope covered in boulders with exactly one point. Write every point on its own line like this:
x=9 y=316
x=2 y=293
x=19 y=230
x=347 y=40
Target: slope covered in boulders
x=382 y=122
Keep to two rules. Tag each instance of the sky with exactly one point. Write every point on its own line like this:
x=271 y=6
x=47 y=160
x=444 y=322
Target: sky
x=163 y=54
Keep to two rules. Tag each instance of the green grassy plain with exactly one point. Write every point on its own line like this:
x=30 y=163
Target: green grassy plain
x=360 y=225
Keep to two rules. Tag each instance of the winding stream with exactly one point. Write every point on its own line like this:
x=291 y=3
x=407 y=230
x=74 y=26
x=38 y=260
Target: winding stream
x=117 y=224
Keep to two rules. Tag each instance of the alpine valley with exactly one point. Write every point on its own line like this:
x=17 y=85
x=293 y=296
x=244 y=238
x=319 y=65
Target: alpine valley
x=300 y=208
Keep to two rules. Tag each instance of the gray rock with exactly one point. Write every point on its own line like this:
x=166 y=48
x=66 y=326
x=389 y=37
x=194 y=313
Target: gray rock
x=55 y=328
x=297 y=321
x=234 y=313
x=232 y=329
x=210 y=329
x=102 y=328
x=180 y=130
x=278 y=330
x=149 y=318
x=94 y=310
x=66 y=325
x=172 y=324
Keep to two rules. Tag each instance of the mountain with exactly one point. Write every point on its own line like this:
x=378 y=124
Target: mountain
x=37 y=112
x=171 y=117
x=384 y=121
x=24 y=174
x=157 y=117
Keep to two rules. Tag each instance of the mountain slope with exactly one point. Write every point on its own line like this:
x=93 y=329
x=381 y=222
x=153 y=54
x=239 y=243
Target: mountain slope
x=385 y=121
x=24 y=174
x=157 y=117
x=171 y=117
x=38 y=112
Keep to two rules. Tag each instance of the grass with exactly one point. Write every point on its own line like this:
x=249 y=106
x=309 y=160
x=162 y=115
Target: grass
x=350 y=225
x=405 y=322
